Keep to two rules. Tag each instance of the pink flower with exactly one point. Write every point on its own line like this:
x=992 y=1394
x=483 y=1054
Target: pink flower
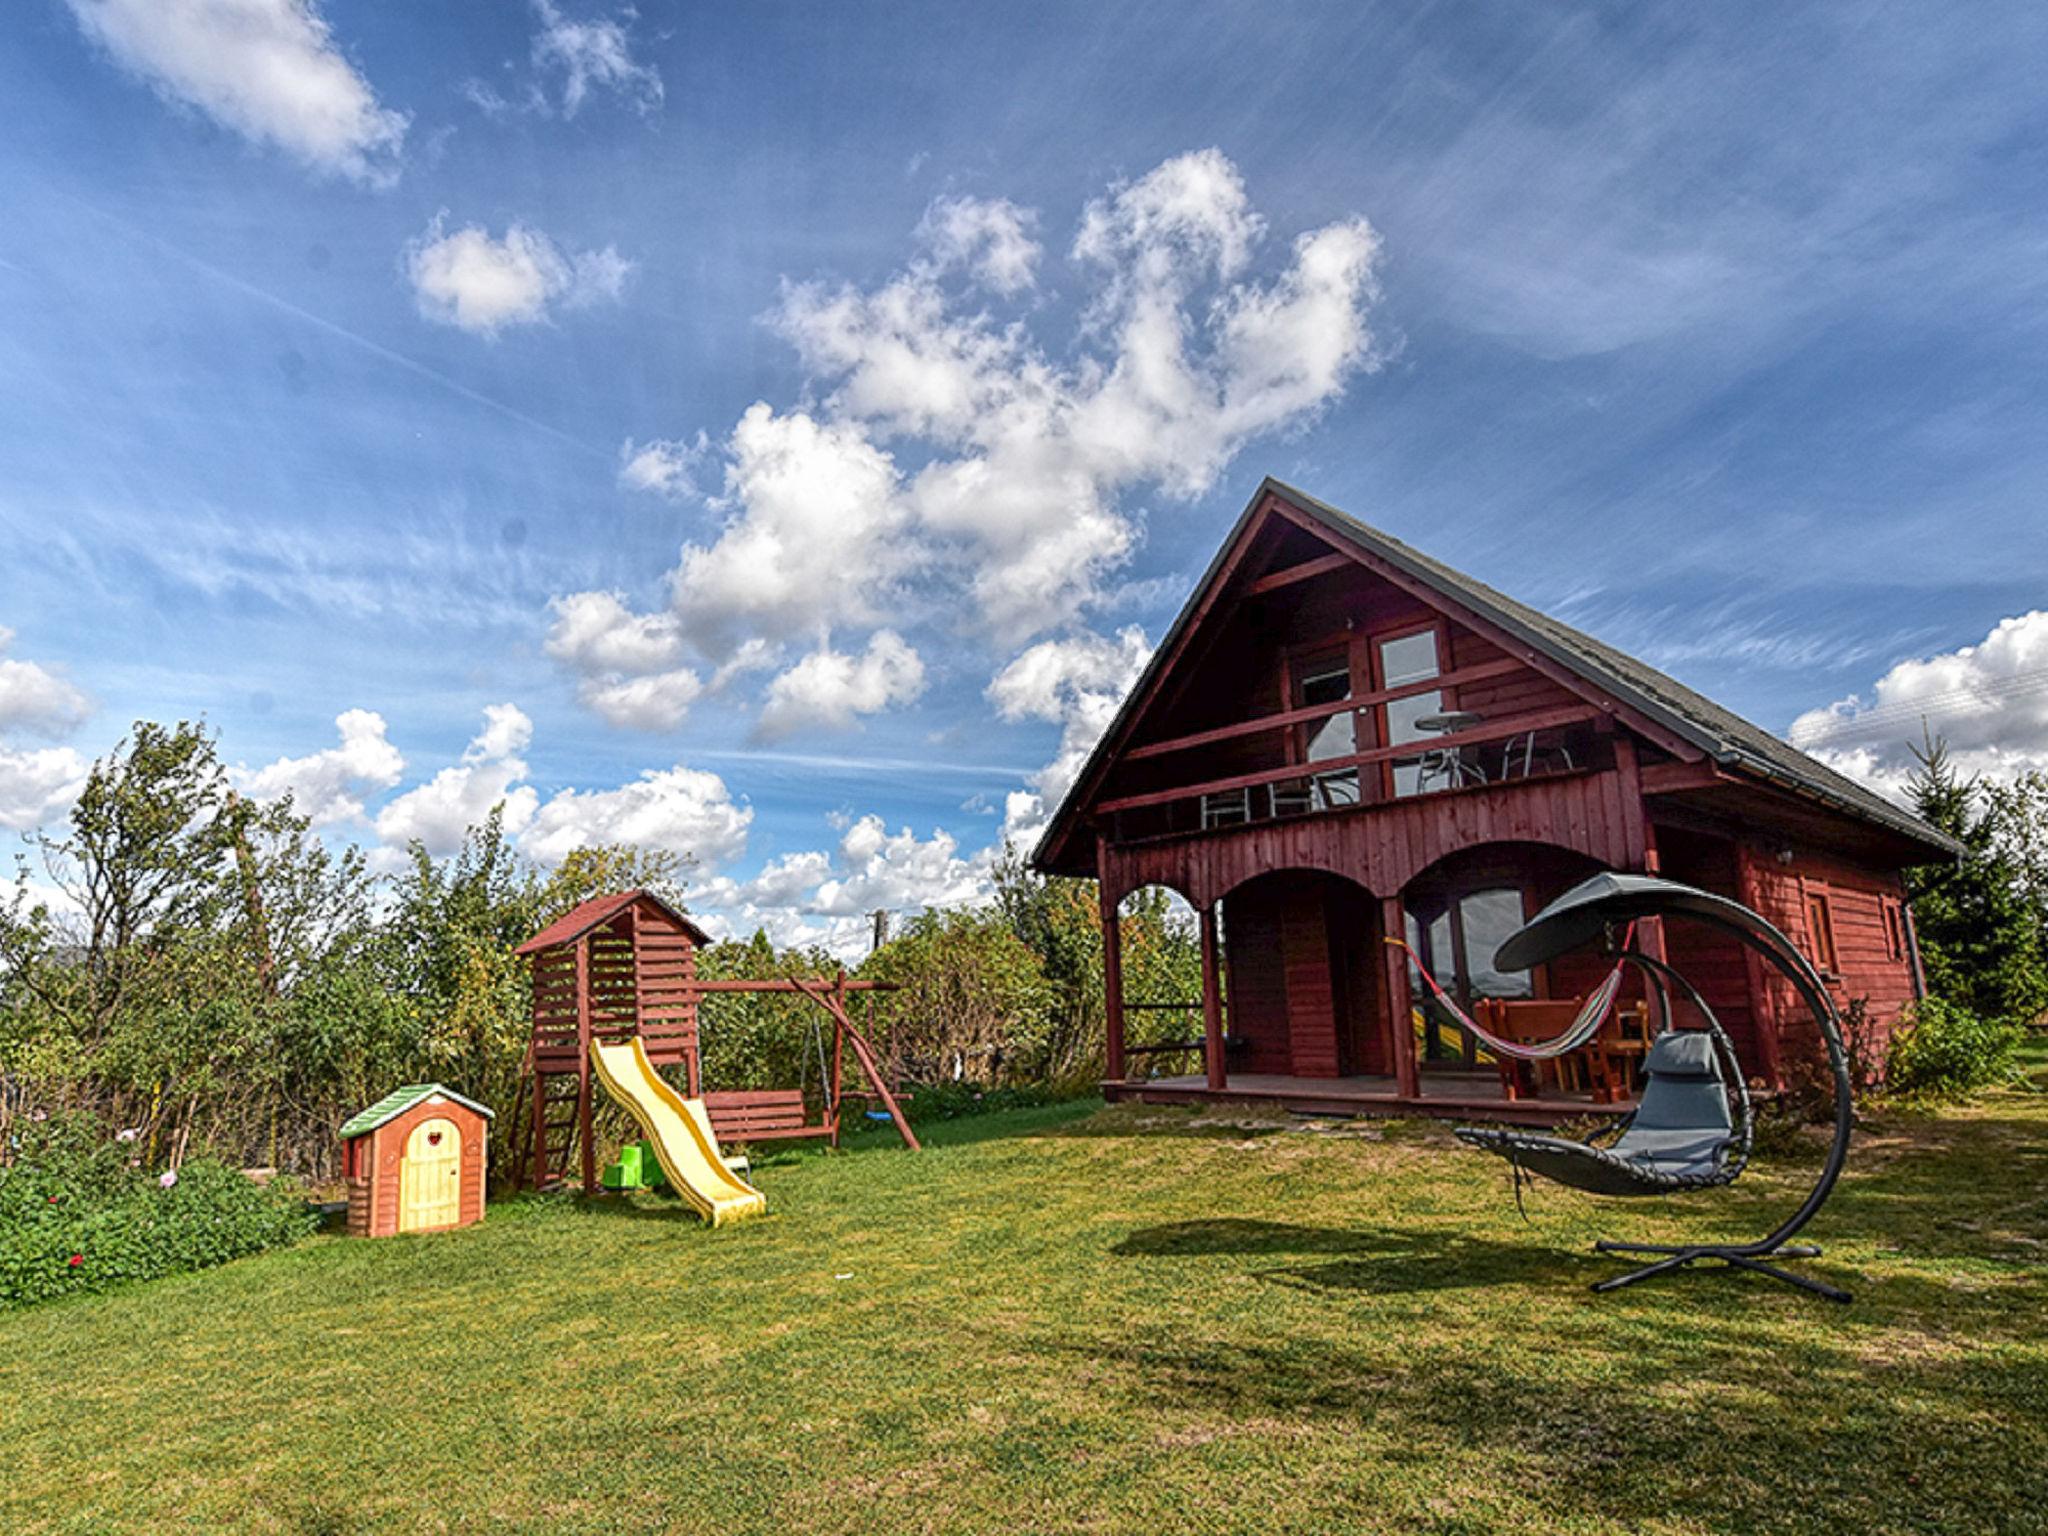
x=128 y=1135
x=168 y=1178
x=77 y=1259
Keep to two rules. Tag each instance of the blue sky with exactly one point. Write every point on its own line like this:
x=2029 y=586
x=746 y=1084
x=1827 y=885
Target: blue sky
x=343 y=348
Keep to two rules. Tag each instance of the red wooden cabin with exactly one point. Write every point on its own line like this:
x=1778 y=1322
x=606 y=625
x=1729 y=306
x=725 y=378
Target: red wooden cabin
x=1341 y=739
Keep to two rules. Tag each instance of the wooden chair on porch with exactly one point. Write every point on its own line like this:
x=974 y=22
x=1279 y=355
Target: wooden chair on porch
x=1603 y=1069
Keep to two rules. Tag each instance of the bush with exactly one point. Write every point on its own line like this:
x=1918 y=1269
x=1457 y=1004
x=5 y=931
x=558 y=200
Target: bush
x=76 y=1218
x=1943 y=1051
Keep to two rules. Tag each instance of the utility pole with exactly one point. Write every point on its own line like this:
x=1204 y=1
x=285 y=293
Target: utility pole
x=880 y=935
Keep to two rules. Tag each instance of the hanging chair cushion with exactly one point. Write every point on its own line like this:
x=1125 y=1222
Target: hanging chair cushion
x=1677 y=1139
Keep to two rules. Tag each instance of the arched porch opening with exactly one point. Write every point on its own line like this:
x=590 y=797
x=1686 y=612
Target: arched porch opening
x=1152 y=970
x=1456 y=913
x=1303 y=981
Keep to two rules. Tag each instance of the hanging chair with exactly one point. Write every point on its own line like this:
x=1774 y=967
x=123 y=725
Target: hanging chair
x=1685 y=1134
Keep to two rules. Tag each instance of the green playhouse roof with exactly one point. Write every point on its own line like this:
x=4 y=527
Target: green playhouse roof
x=398 y=1101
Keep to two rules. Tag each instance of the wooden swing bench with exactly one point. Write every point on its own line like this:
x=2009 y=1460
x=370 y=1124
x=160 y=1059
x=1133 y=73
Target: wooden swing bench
x=767 y=1114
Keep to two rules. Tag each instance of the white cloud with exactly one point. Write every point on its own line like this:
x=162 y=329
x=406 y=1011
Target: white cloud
x=481 y=285
x=655 y=703
x=491 y=773
x=33 y=698
x=817 y=543
x=818 y=898
x=328 y=786
x=597 y=632
x=624 y=661
x=1077 y=683
x=677 y=810
x=1988 y=700
x=268 y=69
x=948 y=460
x=989 y=237
x=38 y=786
x=666 y=466
x=593 y=53
x=829 y=689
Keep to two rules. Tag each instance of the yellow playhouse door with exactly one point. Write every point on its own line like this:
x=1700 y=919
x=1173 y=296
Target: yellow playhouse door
x=430 y=1188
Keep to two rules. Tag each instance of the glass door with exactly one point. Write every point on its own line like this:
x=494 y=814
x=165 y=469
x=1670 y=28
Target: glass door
x=1328 y=681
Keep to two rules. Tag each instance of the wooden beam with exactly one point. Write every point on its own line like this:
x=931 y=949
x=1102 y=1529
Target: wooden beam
x=583 y=1107
x=1112 y=989
x=690 y=984
x=1309 y=713
x=1393 y=924
x=1322 y=565
x=1495 y=730
x=1672 y=778
x=1212 y=1003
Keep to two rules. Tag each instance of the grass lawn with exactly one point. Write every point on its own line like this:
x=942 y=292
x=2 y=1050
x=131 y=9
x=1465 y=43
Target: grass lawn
x=1073 y=1319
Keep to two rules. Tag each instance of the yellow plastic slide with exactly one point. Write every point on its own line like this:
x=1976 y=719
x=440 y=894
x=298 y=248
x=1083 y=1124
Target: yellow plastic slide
x=680 y=1131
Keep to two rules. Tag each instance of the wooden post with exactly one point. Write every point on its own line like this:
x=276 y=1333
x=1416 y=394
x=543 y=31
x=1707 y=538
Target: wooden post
x=1393 y=923
x=1112 y=988
x=838 y=1052
x=1212 y=1003
x=583 y=1107
x=538 y=1172
x=1650 y=930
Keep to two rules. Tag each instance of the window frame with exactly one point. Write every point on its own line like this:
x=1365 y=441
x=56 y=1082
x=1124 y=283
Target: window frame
x=1821 y=946
x=1376 y=682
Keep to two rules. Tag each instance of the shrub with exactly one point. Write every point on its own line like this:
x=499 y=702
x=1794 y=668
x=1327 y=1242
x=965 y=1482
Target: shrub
x=1943 y=1051
x=75 y=1217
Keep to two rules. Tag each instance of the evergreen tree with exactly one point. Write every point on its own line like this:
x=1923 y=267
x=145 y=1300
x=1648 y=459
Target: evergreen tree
x=1981 y=939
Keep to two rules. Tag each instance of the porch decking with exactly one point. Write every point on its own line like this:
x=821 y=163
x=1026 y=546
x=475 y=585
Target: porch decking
x=1473 y=1096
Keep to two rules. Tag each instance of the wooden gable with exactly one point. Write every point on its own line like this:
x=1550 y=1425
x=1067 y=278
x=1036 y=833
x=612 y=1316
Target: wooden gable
x=1221 y=702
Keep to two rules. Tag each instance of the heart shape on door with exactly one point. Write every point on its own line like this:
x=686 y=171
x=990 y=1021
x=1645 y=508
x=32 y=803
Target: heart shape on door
x=433 y=1138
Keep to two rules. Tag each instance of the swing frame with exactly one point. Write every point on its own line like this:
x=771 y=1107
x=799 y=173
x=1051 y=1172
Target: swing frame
x=1592 y=911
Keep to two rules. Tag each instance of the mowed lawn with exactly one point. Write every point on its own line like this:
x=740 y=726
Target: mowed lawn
x=1083 y=1320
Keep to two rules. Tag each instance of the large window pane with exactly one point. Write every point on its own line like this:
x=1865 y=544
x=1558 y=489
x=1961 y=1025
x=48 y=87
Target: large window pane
x=1410 y=659
x=1488 y=918
x=1328 y=683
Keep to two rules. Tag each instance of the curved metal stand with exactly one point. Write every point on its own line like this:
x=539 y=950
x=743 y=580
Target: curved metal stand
x=1592 y=909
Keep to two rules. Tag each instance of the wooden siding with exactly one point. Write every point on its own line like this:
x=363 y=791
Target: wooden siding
x=1865 y=969
x=1384 y=847
x=1257 y=979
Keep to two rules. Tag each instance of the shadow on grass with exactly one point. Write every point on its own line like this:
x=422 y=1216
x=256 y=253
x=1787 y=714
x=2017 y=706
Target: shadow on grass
x=1374 y=1260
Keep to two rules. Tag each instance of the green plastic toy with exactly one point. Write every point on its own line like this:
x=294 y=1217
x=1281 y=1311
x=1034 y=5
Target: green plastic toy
x=637 y=1168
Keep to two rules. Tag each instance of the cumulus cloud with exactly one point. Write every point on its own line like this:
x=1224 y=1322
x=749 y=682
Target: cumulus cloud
x=437 y=813
x=1077 y=683
x=679 y=810
x=829 y=689
x=666 y=466
x=947 y=459
x=38 y=786
x=1989 y=701
x=33 y=698
x=991 y=238
x=328 y=786
x=269 y=70
x=467 y=279
x=815 y=897
x=817 y=539
x=624 y=661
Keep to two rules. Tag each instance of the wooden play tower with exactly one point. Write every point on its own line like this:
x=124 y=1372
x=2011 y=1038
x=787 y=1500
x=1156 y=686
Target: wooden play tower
x=625 y=965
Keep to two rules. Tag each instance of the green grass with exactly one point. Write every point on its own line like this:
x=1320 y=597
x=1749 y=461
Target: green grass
x=1059 y=1320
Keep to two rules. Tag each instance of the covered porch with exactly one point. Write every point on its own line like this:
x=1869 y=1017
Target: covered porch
x=1304 y=1002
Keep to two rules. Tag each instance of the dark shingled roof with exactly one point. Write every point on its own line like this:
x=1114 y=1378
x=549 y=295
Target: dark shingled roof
x=1727 y=738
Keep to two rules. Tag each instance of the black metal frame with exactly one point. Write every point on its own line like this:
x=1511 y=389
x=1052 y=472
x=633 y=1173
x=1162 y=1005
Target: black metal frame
x=1594 y=910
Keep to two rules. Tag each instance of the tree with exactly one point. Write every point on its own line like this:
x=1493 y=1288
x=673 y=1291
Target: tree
x=1981 y=939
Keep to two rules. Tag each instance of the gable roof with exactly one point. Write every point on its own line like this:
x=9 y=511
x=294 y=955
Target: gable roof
x=397 y=1102
x=598 y=911
x=1726 y=738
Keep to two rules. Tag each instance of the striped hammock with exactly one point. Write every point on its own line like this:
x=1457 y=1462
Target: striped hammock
x=1578 y=1034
